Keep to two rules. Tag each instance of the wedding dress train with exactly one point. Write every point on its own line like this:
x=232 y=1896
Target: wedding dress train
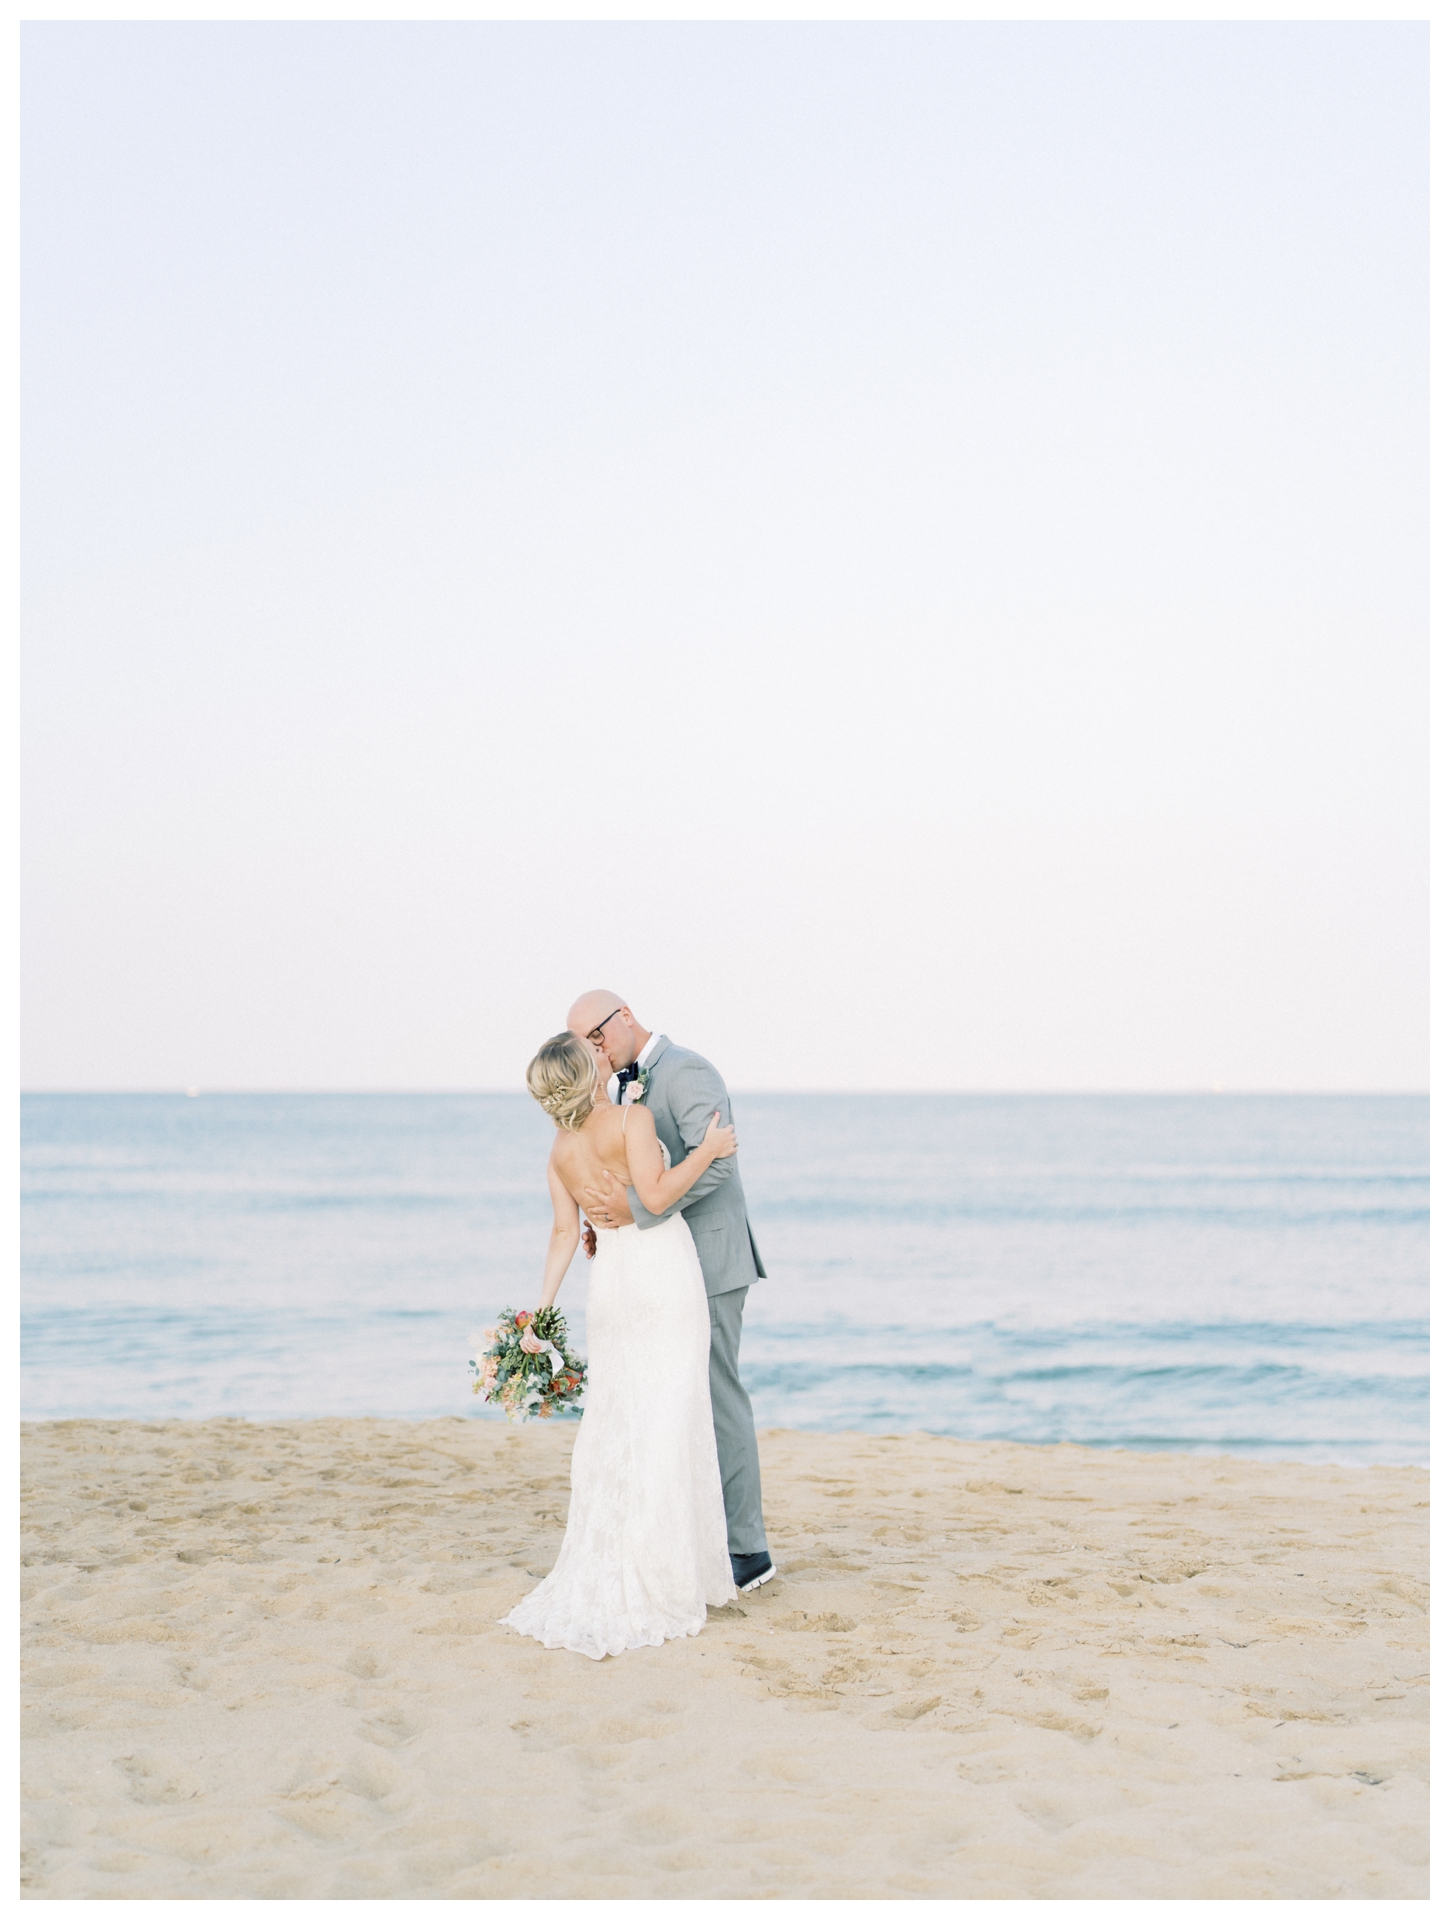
x=645 y=1548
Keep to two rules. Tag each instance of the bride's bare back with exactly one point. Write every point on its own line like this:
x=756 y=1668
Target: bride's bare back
x=598 y=1147
x=623 y=1142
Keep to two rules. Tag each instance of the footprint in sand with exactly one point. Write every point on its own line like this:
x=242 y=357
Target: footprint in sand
x=156 y=1780
x=389 y=1727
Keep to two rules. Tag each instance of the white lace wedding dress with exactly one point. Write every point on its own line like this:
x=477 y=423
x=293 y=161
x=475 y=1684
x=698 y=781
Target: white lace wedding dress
x=645 y=1548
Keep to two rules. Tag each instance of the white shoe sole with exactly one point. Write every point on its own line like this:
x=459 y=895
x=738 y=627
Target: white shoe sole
x=769 y=1574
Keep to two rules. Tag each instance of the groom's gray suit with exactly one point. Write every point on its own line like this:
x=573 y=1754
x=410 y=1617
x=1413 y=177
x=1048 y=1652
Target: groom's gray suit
x=682 y=1093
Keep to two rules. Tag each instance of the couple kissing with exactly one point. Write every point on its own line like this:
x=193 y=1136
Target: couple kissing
x=664 y=1508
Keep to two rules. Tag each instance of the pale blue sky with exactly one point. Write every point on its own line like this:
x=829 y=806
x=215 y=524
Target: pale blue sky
x=900 y=548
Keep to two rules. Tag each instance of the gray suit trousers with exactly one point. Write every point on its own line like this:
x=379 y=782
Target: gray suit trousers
x=734 y=1425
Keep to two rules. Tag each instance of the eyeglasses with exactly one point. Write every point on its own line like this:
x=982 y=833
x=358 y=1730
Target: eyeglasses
x=596 y=1034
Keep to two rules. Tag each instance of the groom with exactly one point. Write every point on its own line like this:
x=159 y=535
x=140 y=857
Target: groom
x=682 y=1091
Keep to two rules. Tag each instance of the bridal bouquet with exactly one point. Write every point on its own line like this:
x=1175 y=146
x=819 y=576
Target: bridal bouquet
x=528 y=1369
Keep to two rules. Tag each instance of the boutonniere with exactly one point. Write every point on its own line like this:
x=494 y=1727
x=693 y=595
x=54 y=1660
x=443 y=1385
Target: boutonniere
x=637 y=1089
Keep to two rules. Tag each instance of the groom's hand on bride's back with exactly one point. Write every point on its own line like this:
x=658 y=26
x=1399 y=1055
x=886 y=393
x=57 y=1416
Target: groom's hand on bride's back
x=608 y=1205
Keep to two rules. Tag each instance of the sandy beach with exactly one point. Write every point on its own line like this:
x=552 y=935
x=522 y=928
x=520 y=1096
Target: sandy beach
x=263 y=1661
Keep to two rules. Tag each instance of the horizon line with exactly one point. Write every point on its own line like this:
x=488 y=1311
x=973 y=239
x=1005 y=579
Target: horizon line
x=1024 y=1093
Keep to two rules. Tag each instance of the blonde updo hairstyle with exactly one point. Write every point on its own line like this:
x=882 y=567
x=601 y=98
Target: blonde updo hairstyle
x=563 y=1078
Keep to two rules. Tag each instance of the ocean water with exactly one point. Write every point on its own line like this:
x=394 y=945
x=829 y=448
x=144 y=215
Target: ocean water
x=1244 y=1274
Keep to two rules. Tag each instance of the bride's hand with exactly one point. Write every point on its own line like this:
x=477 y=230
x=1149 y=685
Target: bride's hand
x=719 y=1141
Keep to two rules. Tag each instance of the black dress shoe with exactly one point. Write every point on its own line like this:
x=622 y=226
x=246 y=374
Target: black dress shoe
x=752 y=1570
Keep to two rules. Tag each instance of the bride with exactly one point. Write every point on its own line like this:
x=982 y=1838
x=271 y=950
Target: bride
x=645 y=1548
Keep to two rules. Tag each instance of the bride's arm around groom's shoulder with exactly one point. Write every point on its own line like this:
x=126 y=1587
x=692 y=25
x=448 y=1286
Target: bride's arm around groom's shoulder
x=659 y=1186
x=694 y=1093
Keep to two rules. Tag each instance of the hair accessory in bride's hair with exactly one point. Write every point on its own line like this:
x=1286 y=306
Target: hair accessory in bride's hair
x=563 y=1077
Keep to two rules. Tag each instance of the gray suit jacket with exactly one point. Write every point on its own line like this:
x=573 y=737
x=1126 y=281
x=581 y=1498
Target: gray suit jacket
x=684 y=1090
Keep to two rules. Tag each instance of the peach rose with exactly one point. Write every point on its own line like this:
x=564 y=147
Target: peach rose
x=523 y=1319
x=490 y=1374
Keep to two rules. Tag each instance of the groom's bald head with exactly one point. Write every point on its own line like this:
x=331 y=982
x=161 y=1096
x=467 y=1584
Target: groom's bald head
x=590 y=1008
x=607 y=1014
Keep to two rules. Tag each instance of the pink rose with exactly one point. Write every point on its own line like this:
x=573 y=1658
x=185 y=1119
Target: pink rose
x=634 y=1091
x=531 y=1343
